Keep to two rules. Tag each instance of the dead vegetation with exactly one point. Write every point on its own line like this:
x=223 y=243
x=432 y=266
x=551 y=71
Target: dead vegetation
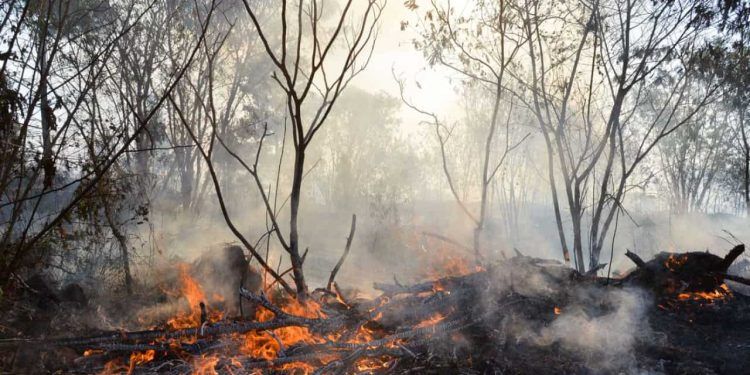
x=513 y=316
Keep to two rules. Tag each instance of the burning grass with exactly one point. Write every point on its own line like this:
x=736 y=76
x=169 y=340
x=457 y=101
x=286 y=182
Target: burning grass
x=522 y=315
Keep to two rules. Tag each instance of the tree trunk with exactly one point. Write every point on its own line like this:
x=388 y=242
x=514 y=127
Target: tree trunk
x=186 y=179
x=486 y=173
x=123 y=242
x=299 y=277
x=48 y=119
x=746 y=144
x=555 y=199
x=578 y=240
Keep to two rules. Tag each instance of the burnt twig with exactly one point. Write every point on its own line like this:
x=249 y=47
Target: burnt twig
x=635 y=258
x=345 y=254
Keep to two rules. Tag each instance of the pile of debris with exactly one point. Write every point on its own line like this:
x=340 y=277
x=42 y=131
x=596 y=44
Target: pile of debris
x=523 y=315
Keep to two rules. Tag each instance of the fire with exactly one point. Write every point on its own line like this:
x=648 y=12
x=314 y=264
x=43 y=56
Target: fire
x=364 y=334
x=444 y=258
x=90 y=352
x=268 y=345
x=371 y=364
x=191 y=290
x=115 y=367
x=721 y=293
x=434 y=319
x=557 y=310
x=137 y=358
x=142 y=357
x=674 y=261
x=205 y=365
x=446 y=262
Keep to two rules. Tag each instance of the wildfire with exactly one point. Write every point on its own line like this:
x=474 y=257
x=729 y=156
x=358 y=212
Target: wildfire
x=371 y=364
x=137 y=358
x=443 y=259
x=557 y=310
x=721 y=293
x=675 y=262
x=90 y=352
x=434 y=319
x=446 y=262
x=269 y=344
x=205 y=365
x=191 y=290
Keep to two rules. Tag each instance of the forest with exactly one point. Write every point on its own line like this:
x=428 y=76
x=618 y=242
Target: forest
x=374 y=187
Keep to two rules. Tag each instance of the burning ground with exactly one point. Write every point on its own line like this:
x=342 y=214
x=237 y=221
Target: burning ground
x=672 y=314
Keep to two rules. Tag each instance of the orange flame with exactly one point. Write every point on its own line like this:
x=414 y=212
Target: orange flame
x=675 y=261
x=192 y=291
x=434 y=319
x=722 y=292
x=205 y=365
x=268 y=344
x=137 y=358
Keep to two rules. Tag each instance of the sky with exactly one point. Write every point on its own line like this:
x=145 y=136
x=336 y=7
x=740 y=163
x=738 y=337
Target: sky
x=394 y=52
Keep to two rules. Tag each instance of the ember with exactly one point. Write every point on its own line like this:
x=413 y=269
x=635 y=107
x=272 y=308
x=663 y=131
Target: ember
x=720 y=294
x=177 y=178
x=407 y=326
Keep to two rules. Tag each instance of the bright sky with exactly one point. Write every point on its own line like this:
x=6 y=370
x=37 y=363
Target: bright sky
x=394 y=51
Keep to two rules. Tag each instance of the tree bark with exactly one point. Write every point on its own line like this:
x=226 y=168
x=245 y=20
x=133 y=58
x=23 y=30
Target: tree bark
x=48 y=164
x=299 y=276
x=746 y=145
x=123 y=242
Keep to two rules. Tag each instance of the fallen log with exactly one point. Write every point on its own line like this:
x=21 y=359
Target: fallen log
x=671 y=274
x=214 y=329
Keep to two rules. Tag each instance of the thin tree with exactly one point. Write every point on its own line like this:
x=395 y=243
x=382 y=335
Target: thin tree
x=482 y=47
x=587 y=102
x=313 y=59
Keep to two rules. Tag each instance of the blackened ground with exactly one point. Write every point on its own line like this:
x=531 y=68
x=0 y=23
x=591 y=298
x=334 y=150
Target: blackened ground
x=509 y=311
x=714 y=340
x=711 y=340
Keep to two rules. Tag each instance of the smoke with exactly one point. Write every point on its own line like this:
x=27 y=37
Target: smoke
x=605 y=337
x=599 y=328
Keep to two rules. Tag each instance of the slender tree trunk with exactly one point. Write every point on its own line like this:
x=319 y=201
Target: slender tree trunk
x=486 y=172
x=186 y=178
x=299 y=277
x=746 y=144
x=48 y=165
x=598 y=229
x=555 y=199
x=123 y=242
x=578 y=239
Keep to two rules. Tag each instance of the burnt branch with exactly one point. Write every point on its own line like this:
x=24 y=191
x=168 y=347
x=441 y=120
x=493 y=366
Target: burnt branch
x=345 y=254
x=636 y=259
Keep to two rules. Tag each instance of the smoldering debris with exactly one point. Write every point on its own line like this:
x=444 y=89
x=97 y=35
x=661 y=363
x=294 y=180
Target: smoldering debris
x=523 y=315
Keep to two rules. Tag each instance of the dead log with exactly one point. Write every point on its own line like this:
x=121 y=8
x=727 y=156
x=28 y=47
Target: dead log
x=215 y=329
x=670 y=274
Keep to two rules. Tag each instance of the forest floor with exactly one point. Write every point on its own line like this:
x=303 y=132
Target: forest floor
x=671 y=315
